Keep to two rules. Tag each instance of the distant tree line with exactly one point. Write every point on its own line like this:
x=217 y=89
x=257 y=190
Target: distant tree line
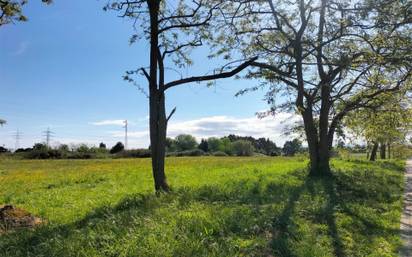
x=181 y=145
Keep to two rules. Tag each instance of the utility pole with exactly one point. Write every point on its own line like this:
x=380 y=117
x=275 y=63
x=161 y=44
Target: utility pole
x=48 y=134
x=125 y=134
x=17 y=137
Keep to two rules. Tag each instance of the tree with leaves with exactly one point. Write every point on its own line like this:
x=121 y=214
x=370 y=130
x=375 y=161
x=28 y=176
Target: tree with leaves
x=388 y=120
x=11 y=11
x=2 y=122
x=318 y=56
x=173 y=29
x=290 y=148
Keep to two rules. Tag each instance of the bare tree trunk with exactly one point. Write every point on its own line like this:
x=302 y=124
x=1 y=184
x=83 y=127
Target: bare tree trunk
x=383 y=151
x=157 y=103
x=312 y=138
x=374 y=152
x=319 y=146
x=158 y=140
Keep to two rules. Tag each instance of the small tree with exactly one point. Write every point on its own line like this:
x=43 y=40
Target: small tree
x=2 y=122
x=102 y=145
x=243 y=148
x=185 y=142
x=290 y=148
x=117 y=148
x=204 y=146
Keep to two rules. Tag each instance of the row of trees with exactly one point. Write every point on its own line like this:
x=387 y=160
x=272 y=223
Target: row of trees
x=79 y=151
x=387 y=122
x=181 y=145
x=233 y=145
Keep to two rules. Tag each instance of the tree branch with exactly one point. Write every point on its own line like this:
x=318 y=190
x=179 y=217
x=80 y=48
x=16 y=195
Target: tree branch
x=221 y=75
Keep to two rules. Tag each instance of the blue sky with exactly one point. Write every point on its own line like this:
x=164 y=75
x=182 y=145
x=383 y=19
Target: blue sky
x=63 y=69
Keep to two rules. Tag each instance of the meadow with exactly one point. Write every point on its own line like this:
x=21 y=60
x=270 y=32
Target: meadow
x=220 y=206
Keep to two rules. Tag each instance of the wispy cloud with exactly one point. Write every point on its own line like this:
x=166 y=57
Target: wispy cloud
x=108 y=123
x=21 y=49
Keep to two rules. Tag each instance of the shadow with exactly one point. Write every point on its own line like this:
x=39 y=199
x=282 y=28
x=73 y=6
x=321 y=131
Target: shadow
x=329 y=186
x=283 y=225
x=391 y=165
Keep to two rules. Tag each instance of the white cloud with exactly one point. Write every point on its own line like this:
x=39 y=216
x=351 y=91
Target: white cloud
x=108 y=123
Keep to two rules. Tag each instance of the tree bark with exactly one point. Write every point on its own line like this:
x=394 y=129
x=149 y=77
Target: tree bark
x=383 y=151
x=157 y=103
x=158 y=140
x=374 y=152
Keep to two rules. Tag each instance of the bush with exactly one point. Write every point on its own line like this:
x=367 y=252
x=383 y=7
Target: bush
x=117 y=148
x=219 y=154
x=135 y=153
x=81 y=155
x=195 y=152
x=242 y=148
x=3 y=150
x=45 y=153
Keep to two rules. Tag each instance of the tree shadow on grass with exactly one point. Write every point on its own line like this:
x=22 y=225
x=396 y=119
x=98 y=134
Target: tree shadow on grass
x=278 y=202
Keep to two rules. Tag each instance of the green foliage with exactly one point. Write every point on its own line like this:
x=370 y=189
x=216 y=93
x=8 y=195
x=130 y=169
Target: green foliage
x=193 y=152
x=219 y=154
x=185 y=142
x=261 y=145
x=170 y=145
x=118 y=147
x=290 y=148
x=134 y=153
x=214 y=144
x=242 y=148
x=11 y=10
x=226 y=146
x=222 y=207
x=204 y=146
x=389 y=121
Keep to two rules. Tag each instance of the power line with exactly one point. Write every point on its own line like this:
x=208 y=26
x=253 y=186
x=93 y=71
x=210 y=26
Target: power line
x=48 y=134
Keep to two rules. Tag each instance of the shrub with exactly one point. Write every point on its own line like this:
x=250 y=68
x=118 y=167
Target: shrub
x=242 y=148
x=219 y=154
x=3 y=150
x=117 y=148
x=135 y=153
x=195 y=152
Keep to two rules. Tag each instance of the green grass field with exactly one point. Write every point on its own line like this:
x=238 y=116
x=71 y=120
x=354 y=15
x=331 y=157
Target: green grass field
x=255 y=206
